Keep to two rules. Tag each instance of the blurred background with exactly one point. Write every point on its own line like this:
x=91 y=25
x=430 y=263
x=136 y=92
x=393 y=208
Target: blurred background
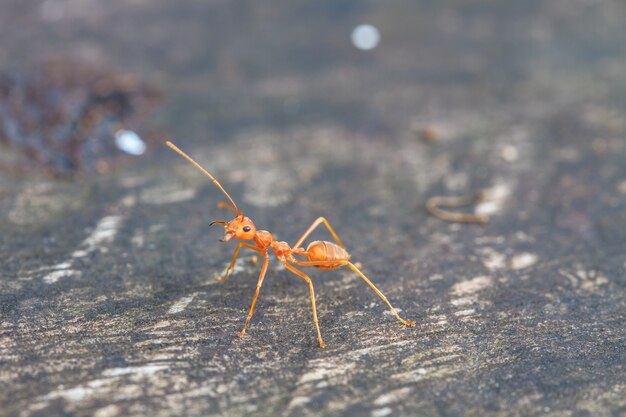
x=223 y=67
x=354 y=110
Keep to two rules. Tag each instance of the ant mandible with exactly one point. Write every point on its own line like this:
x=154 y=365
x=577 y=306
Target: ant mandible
x=319 y=254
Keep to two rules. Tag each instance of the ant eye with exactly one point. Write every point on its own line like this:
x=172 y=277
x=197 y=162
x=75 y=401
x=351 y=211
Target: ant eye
x=246 y=228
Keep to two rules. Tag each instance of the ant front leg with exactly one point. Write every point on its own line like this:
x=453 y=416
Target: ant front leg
x=256 y=293
x=313 y=226
x=232 y=262
x=225 y=205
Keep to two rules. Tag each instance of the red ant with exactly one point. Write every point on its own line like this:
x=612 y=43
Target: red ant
x=319 y=254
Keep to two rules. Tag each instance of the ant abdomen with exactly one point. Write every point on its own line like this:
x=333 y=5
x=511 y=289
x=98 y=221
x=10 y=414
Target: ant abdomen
x=327 y=251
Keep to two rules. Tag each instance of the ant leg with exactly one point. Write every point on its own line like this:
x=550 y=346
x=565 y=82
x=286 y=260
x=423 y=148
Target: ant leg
x=225 y=205
x=316 y=223
x=312 y=293
x=232 y=262
x=380 y=294
x=319 y=263
x=355 y=269
x=256 y=294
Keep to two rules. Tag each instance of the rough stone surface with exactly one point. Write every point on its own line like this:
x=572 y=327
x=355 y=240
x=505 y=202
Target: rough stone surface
x=108 y=303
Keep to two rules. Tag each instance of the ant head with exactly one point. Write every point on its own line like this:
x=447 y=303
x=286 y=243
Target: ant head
x=240 y=227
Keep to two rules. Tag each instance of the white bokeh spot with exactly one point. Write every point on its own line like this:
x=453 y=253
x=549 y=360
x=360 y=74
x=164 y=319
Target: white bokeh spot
x=365 y=37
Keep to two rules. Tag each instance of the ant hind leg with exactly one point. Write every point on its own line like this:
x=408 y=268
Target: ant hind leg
x=313 y=226
x=312 y=293
x=332 y=265
x=380 y=294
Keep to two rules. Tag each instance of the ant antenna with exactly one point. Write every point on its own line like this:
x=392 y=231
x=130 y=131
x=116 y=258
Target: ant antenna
x=217 y=184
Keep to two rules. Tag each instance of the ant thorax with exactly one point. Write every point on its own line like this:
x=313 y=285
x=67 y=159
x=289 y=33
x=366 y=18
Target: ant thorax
x=281 y=249
x=263 y=238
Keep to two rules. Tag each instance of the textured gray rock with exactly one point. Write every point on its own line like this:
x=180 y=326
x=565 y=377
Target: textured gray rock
x=108 y=303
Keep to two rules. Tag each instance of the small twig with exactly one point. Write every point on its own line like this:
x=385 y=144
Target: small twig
x=434 y=204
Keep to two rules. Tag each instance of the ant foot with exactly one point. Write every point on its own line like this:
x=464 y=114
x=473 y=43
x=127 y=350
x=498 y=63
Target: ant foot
x=409 y=323
x=241 y=333
x=220 y=279
x=322 y=344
